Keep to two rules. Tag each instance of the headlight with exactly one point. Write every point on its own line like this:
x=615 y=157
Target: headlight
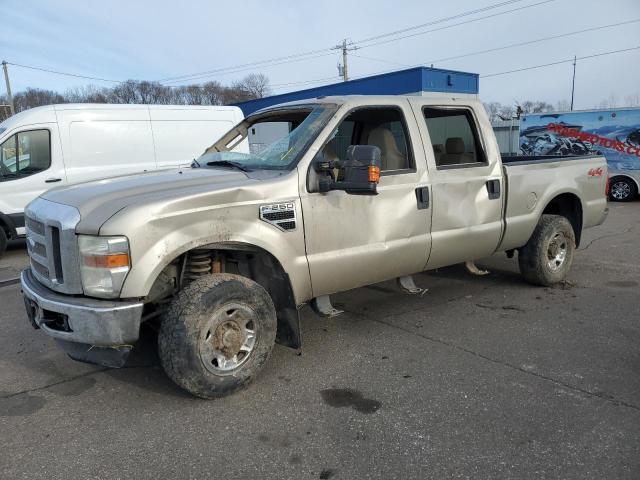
x=104 y=264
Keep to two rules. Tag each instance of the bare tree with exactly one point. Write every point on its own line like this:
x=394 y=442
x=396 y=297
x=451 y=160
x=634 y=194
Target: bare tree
x=611 y=102
x=632 y=100
x=35 y=97
x=493 y=110
x=535 y=106
x=146 y=92
x=563 y=106
x=256 y=85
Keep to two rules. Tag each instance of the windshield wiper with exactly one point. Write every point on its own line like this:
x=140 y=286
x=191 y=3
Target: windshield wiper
x=227 y=163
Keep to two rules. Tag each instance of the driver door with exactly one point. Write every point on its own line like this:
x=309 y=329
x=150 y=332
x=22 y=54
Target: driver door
x=355 y=240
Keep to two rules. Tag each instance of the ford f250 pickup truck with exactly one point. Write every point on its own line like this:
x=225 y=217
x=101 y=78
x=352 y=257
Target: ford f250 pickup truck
x=220 y=257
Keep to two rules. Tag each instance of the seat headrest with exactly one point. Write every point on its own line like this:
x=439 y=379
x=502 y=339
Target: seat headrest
x=382 y=138
x=455 y=145
x=438 y=148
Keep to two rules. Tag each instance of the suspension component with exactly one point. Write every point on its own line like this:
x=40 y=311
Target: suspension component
x=198 y=264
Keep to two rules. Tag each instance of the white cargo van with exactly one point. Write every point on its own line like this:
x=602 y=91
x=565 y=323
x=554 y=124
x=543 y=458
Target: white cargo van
x=56 y=145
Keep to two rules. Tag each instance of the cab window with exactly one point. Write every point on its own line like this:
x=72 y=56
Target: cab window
x=24 y=154
x=383 y=127
x=454 y=138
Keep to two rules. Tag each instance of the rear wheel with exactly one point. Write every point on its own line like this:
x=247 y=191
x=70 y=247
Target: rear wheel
x=217 y=334
x=547 y=256
x=622 y=189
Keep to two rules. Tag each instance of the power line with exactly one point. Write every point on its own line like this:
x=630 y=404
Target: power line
x=559 y=62
x=304 y=55
x=505 y=47
x=312 y=54
x=538 y=40
x=499 y=73
x=64 y=73
x=440 y=20
x=251 y=65
x=226 y=72
x=456 y=24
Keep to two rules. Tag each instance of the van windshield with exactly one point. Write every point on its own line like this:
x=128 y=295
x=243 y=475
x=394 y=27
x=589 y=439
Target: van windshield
x=277 y=139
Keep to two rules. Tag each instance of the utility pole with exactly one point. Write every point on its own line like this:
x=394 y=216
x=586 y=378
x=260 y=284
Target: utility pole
x=573 y=83
x=6 y=80
x=343 y=70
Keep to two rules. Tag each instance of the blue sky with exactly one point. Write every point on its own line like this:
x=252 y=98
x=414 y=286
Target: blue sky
x=158 y=39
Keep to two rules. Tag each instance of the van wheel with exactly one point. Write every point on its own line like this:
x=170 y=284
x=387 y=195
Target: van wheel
x=622 y=189
x=217 y=334
x=547 y=256
x=3 y=241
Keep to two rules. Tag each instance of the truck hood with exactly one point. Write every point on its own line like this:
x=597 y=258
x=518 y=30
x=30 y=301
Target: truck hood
x=99 y=200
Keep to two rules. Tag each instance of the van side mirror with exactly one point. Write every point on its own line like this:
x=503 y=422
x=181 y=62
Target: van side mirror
x=361 y=171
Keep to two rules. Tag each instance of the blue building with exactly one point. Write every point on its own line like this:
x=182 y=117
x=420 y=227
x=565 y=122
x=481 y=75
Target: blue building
x=412 y=81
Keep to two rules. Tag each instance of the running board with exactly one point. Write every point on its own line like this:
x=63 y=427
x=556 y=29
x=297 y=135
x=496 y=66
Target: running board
x=322 y=306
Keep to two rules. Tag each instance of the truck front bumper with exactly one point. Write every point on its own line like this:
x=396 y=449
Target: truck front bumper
x=92 y=330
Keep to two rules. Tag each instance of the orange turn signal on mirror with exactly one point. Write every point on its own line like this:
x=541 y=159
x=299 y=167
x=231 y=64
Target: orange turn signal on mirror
x=374 y=173
x=112 y=260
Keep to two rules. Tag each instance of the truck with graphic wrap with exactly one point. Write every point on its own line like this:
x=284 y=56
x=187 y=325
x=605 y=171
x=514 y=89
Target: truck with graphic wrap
x=221 y=257
x=613 y=133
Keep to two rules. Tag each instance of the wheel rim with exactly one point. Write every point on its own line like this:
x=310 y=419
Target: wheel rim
x=228 y=338
x=557 y=252
x=620 y=190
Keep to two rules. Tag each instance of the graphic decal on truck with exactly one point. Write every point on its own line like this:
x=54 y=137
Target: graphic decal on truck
x=612 y=133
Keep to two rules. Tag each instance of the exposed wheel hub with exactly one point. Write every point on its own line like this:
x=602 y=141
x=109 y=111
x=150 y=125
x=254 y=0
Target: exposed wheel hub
x=557 y=252
x=228 y=338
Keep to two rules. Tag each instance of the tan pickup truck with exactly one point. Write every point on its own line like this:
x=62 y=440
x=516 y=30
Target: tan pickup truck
x=221 y=256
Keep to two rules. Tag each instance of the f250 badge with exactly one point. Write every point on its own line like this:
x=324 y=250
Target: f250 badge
x=596 y=172
x=280 y=215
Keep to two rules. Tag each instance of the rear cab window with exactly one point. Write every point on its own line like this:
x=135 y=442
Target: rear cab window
x=454 y=138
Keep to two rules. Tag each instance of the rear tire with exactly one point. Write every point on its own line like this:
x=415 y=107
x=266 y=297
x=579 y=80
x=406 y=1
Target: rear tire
x=622 y=189
x=547 y=256
x=3 y=241
x=217 y=334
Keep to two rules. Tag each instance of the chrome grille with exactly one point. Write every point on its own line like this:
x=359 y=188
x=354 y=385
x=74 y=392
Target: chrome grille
x=37 y=248
x=52 y=245
x=40 y=269
x=34 y=226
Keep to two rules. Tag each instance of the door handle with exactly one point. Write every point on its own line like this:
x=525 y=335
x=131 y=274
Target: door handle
x=52 y=180
x=422 y=196
x=493 y=188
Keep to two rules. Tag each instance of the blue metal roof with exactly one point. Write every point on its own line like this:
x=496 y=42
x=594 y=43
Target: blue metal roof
x=412 y=80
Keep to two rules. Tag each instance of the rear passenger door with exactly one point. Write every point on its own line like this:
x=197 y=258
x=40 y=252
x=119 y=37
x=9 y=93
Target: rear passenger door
x=466 y=177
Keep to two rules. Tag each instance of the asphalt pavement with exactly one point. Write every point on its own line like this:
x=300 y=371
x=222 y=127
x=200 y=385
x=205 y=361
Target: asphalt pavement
x=480 y=377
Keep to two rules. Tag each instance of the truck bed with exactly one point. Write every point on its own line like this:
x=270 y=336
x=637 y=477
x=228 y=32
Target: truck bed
x=533 y=181
x=529 y=159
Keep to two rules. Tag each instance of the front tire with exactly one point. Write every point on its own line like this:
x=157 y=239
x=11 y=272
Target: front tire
x=547 y=257
x=217 y=334
x=622 y=189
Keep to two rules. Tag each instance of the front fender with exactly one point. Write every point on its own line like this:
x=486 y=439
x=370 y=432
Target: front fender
x=162 y=239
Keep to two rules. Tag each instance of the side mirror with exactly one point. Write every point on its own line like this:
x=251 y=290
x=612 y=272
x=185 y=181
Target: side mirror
x=361 y=171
